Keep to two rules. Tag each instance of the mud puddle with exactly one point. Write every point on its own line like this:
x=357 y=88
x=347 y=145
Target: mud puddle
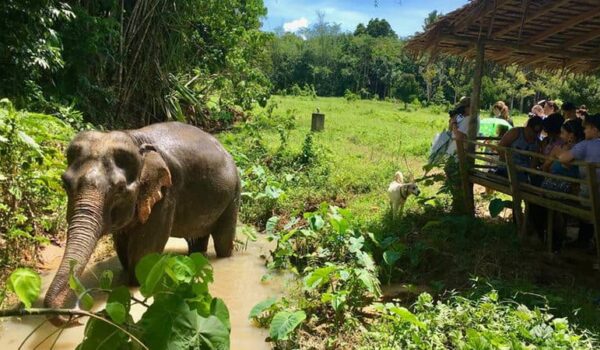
x=237 y=282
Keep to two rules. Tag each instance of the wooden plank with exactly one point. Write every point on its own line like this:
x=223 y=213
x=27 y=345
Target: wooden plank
x=595 y=199
x=491 y=177
x=490 y=184
x=575 y=20
x=464 y=165
x=566 y=208
x=554 y=176
x=553 y=194
x=485 y=159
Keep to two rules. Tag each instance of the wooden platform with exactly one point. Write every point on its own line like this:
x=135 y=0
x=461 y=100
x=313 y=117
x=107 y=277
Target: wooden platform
x=477 y=159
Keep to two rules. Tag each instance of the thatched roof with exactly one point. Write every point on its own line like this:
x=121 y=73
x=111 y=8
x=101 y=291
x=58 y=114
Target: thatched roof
x=549 y=34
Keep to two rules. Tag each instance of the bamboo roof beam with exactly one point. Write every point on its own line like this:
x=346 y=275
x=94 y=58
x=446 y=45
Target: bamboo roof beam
x=513 y=47
x=565 y=25
x=486 y=8
x=544 y=11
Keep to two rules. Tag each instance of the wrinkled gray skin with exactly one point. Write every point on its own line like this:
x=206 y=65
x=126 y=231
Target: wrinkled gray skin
x=145 y=185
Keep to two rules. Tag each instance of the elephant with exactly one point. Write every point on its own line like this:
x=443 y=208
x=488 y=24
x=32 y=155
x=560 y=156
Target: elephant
x=143 y=186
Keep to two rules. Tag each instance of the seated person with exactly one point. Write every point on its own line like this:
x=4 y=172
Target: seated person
x=525 y=139
x=500 y=110
x=552 y=126
x=588 y=151
x=571 y=134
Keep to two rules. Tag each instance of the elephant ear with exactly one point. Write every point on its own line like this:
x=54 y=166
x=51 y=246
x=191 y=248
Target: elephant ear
x=154 y=176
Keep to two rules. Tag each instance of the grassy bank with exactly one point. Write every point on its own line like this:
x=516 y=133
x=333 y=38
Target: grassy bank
x=289 y=172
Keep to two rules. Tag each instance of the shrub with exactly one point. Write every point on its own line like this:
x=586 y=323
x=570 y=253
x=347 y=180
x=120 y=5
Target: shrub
x=32 y=202
x=484 y=323
x=350 y=96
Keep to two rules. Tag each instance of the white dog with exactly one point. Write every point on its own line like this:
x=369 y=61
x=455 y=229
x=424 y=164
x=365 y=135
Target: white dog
x=399 y=191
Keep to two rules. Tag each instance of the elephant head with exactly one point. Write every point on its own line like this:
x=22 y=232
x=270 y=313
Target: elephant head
x=112 y=182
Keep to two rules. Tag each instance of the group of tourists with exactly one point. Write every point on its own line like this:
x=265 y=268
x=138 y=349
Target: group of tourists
x=562 y=133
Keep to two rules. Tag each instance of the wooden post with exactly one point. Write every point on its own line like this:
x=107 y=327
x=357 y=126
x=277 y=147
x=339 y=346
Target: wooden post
x=595 y=201
x=476 y=93
x=468 y=163
x=318 y=122
x=550 y=230
x=467 y=186
x=514 y=188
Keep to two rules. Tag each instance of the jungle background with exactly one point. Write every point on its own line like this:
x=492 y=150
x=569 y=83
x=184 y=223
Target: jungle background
x=67 y=66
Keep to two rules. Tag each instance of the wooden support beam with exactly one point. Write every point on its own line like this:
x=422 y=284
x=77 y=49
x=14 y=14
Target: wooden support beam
x=484 y=9
x=595 y=198
x=506 y=45
x=535 y=15
x=476 y=93
x=581 y=39
x=581 y=17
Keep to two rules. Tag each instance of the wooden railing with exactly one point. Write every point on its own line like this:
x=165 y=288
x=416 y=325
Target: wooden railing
x=477 y=158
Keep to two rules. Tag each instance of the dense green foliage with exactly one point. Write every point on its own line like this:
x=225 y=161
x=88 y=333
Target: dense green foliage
x=183 y=314
x=372 y=62
x=340 y=254
x=32 y=202
x=134 y=62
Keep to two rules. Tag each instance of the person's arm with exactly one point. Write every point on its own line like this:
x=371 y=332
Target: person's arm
x=548 y=162
x=534 y=161
x=507 y=140
x=566 y=157
x=577 y=152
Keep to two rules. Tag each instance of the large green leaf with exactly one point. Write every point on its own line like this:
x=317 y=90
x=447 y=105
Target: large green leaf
x=169 y=323
x=181 y=268
x=149 y=271
x=407 y=316
x=261 y=307
x=118 y=304
x=213 y=334
x=219 y=309
x=319 y=277
x=26 y=284
x=390 y=257
x=203 y=268
x=99 y=335
x=284 y=323
x=497 y=205
x=272 y=224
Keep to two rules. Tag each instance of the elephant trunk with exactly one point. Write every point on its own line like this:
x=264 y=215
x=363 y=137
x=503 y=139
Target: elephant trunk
x=85 y=228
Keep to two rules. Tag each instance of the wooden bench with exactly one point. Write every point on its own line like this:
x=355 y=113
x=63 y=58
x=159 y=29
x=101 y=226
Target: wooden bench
x=477 y=158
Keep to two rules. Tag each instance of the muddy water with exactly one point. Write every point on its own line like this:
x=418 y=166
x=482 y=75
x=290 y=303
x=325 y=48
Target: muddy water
x=237 y=282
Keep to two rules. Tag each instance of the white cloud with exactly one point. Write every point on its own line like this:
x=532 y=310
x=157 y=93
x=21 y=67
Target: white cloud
x=295 y=24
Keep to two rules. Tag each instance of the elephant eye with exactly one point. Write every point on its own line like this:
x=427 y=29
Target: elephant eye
x=128 y=162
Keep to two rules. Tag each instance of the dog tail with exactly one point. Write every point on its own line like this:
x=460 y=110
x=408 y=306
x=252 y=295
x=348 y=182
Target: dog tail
x=399 y=177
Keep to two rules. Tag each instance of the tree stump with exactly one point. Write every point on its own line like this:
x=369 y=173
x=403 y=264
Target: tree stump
x=318 y=122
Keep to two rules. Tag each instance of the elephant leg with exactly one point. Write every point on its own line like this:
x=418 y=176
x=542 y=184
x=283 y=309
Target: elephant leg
x=121 y=241
x=223 y=233
x=148 y=238
x=198 y=244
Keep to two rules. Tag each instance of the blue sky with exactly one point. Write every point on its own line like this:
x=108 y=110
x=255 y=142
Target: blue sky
x=405 y=16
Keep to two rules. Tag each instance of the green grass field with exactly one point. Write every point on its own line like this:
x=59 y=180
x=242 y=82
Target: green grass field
x=367 y=142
